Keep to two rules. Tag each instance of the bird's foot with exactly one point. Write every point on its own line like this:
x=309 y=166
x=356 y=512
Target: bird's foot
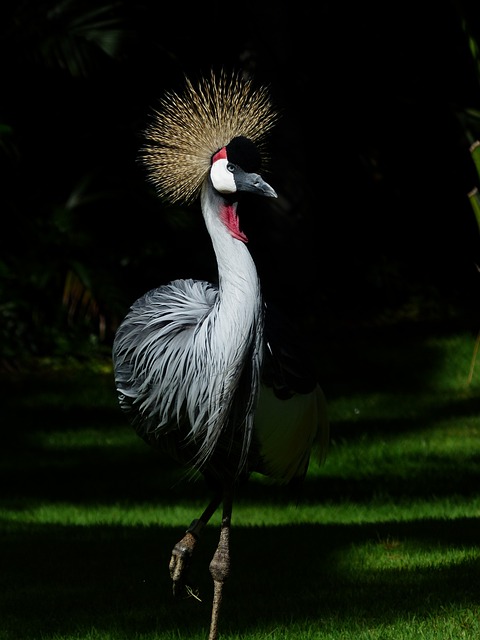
x=181 y=559
x=180 y=563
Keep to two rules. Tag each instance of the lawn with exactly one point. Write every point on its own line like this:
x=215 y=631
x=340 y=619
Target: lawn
x=383 y=542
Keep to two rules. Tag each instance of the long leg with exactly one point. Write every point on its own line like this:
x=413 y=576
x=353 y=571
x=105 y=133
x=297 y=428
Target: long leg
x=182 y=552
x=220 y=564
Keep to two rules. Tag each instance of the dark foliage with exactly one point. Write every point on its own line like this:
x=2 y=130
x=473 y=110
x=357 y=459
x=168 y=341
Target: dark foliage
x=370 y=158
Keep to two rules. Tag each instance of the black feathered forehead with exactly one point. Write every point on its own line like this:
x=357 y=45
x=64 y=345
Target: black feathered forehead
x=244 y=152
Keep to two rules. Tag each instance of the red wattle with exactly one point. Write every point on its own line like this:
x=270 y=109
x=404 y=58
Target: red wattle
x=230 y=220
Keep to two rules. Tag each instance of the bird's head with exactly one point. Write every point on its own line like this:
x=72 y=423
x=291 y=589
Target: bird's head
x=234 y=169
x=215 y=130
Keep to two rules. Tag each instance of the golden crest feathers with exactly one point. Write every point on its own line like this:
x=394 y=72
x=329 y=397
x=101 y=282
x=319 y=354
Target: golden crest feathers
x=189 y=127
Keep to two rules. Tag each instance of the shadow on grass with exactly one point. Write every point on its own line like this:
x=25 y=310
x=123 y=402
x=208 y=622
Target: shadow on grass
x=92 y=476
x=61 y=580
x=388 y=360
x=130 y=470
x=445 y=409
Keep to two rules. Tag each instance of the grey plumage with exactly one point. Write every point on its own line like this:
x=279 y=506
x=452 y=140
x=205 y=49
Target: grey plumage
x=207 y=372
x=171 y=376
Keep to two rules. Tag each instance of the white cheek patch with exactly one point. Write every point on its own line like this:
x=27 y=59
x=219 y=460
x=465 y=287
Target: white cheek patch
x=222 y=178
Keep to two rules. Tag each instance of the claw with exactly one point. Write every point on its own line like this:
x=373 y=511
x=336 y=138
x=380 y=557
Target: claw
x=180 y=564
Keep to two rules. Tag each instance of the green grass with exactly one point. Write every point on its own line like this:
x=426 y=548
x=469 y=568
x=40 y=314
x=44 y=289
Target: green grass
x=382 y=544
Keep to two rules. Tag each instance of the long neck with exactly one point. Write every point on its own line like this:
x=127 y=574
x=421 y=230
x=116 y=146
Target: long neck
x=235 y=327
x=238 y=279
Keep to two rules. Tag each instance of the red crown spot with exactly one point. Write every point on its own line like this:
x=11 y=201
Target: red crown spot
x=220 y=155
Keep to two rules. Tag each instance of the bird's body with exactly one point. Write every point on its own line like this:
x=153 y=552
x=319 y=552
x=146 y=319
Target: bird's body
x=206 y=372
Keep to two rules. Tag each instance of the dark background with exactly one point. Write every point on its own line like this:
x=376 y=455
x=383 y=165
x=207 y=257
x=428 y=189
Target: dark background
x=373 y=229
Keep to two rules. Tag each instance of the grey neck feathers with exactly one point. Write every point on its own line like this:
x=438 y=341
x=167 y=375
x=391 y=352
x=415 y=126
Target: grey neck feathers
x=237 y=318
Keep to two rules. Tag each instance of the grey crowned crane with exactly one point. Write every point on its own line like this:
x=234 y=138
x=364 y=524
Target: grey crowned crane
x=206 y=372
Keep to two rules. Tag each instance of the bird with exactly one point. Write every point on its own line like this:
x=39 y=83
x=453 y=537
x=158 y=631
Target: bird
x=210 y=373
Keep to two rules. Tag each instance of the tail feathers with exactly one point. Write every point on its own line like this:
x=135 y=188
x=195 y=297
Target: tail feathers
x=288 y=430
